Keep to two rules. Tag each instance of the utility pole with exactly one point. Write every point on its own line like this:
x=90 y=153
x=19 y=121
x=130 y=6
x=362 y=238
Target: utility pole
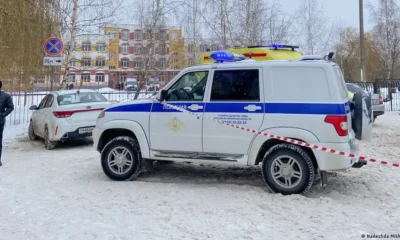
x=73 y=36
x=362 y=57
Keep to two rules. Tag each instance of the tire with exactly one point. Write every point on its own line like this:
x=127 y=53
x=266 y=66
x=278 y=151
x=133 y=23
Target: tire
x=302 y=164
x=31 y=133
x=49 y=145
x=135 y=158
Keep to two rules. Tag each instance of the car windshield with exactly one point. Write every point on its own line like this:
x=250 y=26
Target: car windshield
x=80 y=97
x=353 y=87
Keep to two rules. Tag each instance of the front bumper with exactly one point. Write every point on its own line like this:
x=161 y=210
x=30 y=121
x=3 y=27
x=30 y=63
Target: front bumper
x=96 y=134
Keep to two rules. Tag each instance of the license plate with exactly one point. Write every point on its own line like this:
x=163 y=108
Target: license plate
x=85 y=130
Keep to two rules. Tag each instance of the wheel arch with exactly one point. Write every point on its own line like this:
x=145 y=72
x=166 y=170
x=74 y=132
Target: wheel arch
x=117 y=128
x=262 y=144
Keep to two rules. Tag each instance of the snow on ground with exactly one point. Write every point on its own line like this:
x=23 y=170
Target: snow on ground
x=63 y=194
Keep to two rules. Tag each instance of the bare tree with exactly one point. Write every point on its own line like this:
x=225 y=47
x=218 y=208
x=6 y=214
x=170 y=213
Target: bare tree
x=152 y=17
x=83 y=17
x=387 y=33
x=313 y=27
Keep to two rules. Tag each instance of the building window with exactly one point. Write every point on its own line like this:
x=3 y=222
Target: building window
x=174 y=36
x=161 y=64
x=111 y=67
x=125 y=63
x=161 y=78
x=71 y=77
x=138 y=35
x=144 y=50
x=137 y=64
x=191 y=48
x=86 y=47
x=162 y=36
x=100 y=62
x=100 y=47
x=137 y=49
x=215 y=48
x=162 y=50
x=85 y=77
x=112 y=34
x=72 y=62
x=125 y=35
x=203 y=48
x=122 y=79
x=85 y=62
x=125 y=49
x=100 y=77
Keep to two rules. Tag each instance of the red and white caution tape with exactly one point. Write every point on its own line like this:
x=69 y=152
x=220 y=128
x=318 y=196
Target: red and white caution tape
x=285 y=139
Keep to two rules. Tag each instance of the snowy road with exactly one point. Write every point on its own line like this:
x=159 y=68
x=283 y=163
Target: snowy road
x=63 y=194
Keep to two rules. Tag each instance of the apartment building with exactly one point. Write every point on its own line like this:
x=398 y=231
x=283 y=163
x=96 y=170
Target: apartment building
x=135 y=57
x=122 y=52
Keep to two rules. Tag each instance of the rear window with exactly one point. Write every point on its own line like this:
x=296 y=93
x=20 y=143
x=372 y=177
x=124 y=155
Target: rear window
x=82 y=97
x=302 y=84
x=340 y=77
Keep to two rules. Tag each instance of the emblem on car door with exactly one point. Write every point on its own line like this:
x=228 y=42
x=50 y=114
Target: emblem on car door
x=175 y=124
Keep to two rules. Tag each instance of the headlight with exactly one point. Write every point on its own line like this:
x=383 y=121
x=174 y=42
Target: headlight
x=101 y=115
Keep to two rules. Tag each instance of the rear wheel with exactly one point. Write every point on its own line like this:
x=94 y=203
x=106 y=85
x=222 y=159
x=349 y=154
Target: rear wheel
x=49 y=145
x=121 y=159
x=31 y=132
x=288 y=169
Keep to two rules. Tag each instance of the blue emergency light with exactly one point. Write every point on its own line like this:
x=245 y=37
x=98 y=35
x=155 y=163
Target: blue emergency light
x=282 y=46
x=222 y=56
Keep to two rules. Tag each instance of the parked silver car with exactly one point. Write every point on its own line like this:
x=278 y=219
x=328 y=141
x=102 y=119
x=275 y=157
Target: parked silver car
x=378 y=107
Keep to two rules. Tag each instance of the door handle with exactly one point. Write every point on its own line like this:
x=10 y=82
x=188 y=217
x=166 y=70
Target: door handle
x=195 y=107
x=252 y=108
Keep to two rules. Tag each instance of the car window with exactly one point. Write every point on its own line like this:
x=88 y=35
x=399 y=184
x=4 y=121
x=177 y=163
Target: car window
x=189 y=87
x=236 y=85
x=49 y=102
x=342 y=82
x=41 y=105
x=353 y=87
x=80 y=97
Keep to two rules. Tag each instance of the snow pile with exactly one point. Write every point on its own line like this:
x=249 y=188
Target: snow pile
x=63 y=194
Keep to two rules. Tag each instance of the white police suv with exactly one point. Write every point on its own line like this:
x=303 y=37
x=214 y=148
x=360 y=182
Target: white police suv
x=305 y=100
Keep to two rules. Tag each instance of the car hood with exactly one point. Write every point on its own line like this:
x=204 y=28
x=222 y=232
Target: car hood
x=132 y=105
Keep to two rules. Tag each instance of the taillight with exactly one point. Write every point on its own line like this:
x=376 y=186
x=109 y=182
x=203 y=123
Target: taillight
x=101 y=114
x=340 y=124
x=380 y=99
x=63 y=114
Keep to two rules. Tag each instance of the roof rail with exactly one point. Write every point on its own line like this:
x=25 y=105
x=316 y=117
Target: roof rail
x=318 y=57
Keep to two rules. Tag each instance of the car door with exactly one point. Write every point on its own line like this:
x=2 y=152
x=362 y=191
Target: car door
x=236 y=97
x=172 y=130
x=47 y=114
x=37 y=117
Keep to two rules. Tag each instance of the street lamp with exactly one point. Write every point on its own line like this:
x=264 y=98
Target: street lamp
x=362 y=58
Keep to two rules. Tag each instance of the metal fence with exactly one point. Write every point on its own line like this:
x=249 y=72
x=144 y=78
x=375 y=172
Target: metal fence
x=22 y=102
x=389 y=89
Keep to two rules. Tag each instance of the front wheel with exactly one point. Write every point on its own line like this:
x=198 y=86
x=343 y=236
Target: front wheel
x=288 y=169
x=31 y=132
x=121 y=159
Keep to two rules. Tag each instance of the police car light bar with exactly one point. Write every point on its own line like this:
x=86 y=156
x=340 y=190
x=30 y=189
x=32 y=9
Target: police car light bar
x=222 y=56
x=281 y=46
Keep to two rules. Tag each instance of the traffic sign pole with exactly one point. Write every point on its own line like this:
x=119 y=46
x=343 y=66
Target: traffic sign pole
x=51 y=77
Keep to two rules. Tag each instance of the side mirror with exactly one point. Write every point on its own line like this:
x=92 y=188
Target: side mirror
x=163 y=95
x=33 y=107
